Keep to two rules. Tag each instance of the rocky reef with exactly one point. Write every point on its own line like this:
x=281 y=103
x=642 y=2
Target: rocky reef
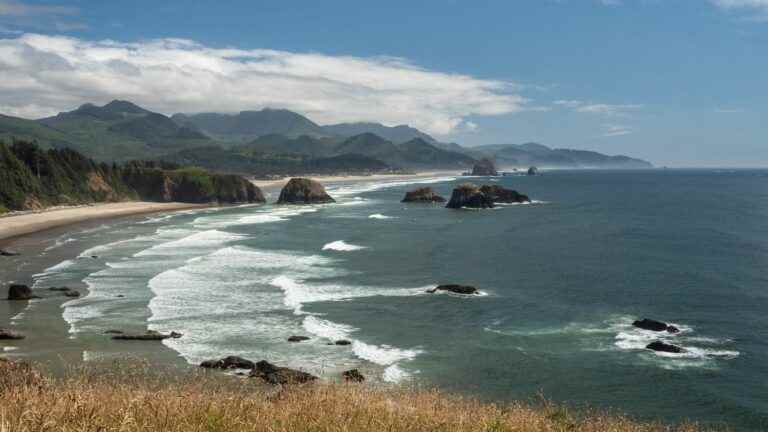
x=424 y=194
x=653 y=325
x=304 y=191
x=499 y=194
x=469 y=195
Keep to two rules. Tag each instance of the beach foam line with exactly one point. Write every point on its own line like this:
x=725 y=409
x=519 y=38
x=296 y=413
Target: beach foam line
x=380 y=216
x=342 y=246
x=360 y=188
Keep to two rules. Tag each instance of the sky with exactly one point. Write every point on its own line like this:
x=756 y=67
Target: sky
x=676 y=82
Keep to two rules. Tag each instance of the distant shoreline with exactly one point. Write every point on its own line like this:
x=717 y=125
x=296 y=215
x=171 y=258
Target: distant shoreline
x=18 y=225
x=330 y=179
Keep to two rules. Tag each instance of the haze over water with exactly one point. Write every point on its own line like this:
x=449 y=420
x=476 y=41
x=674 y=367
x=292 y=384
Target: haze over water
x=562 y=279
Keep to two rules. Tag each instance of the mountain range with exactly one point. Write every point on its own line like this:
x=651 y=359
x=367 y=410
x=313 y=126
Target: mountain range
x=274 y=141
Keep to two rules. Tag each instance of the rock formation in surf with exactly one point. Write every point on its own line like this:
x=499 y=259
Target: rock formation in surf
x=8 y=253
x=150 y=335
x=502 y=195
x=653 y=325
x=484 y=167
x=425 y=194
x=10 y=335
x=304 y=191
x=353 y=375
x=532 y=171
x=20 y=292
x=469 y=196
x=665 y=347
x=273 y=374
x=454 y=288
x=230 y=362
x=298 y=338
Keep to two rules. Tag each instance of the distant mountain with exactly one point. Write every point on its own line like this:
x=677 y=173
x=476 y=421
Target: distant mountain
x=119 y=130
x=396 y=134
x=23 y=129
x=281 y=144
x=248 y=125
x=415 y=153
x=521 y=155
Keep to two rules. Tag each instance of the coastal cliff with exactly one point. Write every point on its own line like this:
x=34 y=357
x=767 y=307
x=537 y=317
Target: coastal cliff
x=32 y=179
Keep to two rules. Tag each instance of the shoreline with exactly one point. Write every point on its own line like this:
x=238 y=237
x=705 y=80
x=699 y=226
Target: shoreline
x=331 y=179
x=14 y=226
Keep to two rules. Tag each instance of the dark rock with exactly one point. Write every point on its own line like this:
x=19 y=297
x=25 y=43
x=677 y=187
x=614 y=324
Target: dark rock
x=150 y=335
x=119 y=296
x=484 y=167
x=297 y=338
x=7 y=253
x=304 y=191
x=231 y=362
x=113 y=332
x=665 y=347
x=457 y=289
x=353 y=375
x=64 y=289
x=342 y=342
x=503 y=195
x=20 y=292
x=280 y=375
x=95 y=256
x=653 y=325
x=70 y=293
x=470 y=196
x=10 y=335
x=532 y=171
x=425 y=194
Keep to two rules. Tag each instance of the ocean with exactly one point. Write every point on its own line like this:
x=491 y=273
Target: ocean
x=561 y=281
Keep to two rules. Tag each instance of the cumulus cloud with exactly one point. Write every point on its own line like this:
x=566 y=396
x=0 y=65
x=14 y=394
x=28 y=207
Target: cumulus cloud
x=597 y=108
x=614 y=130
x=45 y=74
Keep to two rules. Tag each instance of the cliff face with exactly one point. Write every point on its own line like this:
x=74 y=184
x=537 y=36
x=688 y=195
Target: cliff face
x=484 y=167
x=32 y=179
x=304 y=191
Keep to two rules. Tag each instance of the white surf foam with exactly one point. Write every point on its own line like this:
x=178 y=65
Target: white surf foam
x=342 y=246
x=395 y=374
x=380 y=216
x=327 y=329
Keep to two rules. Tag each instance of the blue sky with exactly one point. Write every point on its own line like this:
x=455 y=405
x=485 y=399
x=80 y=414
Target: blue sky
x=675 y=82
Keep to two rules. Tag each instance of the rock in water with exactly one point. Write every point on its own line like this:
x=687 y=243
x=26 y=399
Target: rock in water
x=20 y=292
x=503 y=195
x=425 y=194
x=664 y=347
x=470 y=196
x=484 y=167
x=653 y=325
x=10 y=335
x=7 y=253
x=342 y=342
x=457 y=289
x=304 y=191
x=297 y=338
x=231 y=362
x=532 y=171
x=72 y=293
x=150 y=335
x=280 y=375
x=353 y=375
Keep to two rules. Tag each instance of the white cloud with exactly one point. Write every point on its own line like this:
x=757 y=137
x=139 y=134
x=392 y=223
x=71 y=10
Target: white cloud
x=19 y=15
x=57 y=73
x=597 y=108
x=16 y=8
x=757 y=9
x=614 y=130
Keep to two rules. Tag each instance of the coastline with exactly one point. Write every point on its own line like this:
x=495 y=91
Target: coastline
x=355 y=178
x=16 y=225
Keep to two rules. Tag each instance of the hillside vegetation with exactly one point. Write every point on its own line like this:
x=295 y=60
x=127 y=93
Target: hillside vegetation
x=138 y=399
x=32 y=178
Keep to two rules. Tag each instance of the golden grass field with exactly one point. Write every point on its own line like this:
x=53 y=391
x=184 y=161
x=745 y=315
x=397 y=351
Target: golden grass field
x=134 y=397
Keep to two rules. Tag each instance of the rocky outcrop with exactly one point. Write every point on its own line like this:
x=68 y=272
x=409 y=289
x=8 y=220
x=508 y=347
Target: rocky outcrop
x=469 y=196
x=304 y=191
x=425 y=194
x=353 y=375
x=7 y=253
x=342 y=342
x=456 y=289
x=230 y=362
x=20 y=292
x=273 y=374
x=298 y=338
x=10 y=335
x=150 y=335
x=71 y=294
x=484 y=167
x=502 y=195
x=532 y=171
x=653 y=325
x=665 y=347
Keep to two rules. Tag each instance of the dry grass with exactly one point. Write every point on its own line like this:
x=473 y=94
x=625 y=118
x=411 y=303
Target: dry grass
x=135 y=399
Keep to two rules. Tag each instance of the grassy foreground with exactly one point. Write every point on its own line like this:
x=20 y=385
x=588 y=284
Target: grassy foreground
x=135 y=399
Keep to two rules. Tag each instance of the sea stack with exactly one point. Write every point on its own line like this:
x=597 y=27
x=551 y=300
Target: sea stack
x=484 y=167
x=425 y=194
x=532 y=171
x=470 y=196
x=20 y=292
x=502 y=195
x=304 y=191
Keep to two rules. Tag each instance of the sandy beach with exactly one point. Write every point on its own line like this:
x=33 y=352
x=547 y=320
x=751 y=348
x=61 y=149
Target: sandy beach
x=21 y=224
x=357 y=178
